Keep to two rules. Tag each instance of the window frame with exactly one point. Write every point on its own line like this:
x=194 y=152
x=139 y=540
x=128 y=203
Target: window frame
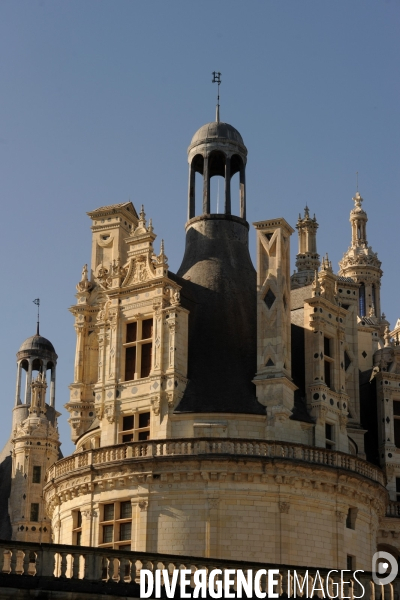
x=116 y=543
x=136 y=431
x=138 y=344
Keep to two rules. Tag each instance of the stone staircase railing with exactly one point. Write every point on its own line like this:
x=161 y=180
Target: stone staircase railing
x=215 y=446
x=101 y=571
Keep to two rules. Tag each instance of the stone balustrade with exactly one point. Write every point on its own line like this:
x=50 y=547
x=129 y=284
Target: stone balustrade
x=393 y=509
x=205 y=446
x=112 y=573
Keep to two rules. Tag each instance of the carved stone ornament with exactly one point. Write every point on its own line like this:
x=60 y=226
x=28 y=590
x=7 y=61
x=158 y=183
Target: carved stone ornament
x=155 y=404
x=109 y=412
x=284 y=507
x=340 y=516
x=143 y=505
x=89 y=514
x=213 y=503
x=84 y=285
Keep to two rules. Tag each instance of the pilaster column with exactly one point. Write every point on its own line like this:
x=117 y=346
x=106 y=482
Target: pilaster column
x=18 y=386
x=78 y=355
x=206 y=187
x=28 y=383
x=139 y=524
x=192 y=192
x=228 y=185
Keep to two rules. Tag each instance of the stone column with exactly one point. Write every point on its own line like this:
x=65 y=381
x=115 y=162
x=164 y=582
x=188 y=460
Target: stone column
x=242 y=192
x=228 y=185
x=28 y=383
x=206 y=187
x=139 y=524
x=53 y=386
x=18 y=386
x=192 y=192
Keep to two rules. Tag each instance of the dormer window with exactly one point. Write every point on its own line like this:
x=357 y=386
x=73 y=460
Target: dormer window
x=139 y=349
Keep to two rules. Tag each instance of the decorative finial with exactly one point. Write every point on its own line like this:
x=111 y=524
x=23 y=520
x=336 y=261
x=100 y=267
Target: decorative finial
x=150 y=228
x=306 y=212
x=37 y=302
x=142 y=218
x=358 y=200
x=217 y=79
x=316 y=286
x=387 y=337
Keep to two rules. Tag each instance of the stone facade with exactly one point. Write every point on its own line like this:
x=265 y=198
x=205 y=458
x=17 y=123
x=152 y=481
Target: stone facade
x=225 y=411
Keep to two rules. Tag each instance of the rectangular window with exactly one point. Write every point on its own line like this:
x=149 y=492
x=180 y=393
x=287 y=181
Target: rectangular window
x=126 y=510
x=135 y=428
x=146 y=360
x=147 y=329
x=327 y=373
x=108 y=531
x=131 y=332
x=327 y=346
x=138 y=349
x=125 y=531
x=108 y=512
x=396 y=425
x=37 y=471
x=118 y=527
x=329 y=436
x=34 y=511
x=396 y=408
x=130 y=363
x=77 y=528
x=351 y=518
x=351 y=563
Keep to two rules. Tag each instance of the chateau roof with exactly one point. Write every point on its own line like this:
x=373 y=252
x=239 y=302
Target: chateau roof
x=37 y=343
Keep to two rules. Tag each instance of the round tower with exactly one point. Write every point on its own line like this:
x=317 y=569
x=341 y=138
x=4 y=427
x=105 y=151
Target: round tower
x=220 y=278
x=34 y=438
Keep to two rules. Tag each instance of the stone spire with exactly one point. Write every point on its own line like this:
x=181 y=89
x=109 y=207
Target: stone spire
x=307 y=260
x=361 y=263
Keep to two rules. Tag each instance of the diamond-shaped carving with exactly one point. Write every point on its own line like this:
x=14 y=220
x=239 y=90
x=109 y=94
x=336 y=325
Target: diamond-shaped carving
x=364 y=354
x=269 y=298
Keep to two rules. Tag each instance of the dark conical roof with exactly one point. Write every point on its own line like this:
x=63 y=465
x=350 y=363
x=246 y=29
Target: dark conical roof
x=37 y=343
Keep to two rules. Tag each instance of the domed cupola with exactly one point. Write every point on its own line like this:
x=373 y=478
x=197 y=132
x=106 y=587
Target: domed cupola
x=36 y=353
x=219 y=278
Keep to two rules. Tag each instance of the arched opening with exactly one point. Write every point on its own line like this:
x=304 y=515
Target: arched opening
x=216 y=169
x=238 y=167
x=196 y=172
x=361 y=294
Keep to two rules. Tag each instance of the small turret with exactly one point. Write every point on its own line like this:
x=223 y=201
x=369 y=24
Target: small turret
x=307 y=260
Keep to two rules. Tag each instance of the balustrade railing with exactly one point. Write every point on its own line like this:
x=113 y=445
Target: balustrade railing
x=393 y=509
x=207 y=446
x=55 y=564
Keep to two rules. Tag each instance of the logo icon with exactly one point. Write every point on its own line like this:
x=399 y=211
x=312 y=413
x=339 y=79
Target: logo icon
x=384 y=563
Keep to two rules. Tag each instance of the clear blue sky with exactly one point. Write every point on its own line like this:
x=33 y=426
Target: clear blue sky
x=99 y=101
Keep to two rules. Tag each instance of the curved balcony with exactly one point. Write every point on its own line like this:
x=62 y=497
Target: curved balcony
x=206 y=448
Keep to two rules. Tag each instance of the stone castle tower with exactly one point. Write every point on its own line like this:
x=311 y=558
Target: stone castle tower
x=33 y=446
x=225 y=410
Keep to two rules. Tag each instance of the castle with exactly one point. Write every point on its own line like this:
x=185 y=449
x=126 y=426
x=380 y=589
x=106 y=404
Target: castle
x=221 y=411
